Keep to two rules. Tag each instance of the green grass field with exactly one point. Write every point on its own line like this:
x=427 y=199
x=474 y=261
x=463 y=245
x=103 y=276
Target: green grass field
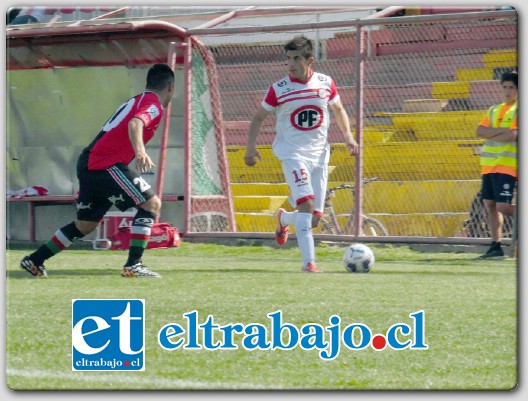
x=470 y=318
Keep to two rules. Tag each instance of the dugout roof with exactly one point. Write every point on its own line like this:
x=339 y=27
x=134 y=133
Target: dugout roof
x=97 y=44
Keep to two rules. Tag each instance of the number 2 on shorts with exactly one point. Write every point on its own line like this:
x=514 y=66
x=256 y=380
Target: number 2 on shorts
x=143 y=185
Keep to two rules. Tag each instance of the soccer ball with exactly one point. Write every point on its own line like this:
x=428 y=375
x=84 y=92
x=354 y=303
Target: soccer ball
x=358 y=258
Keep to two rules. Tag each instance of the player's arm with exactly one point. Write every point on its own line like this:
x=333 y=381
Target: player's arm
x=254 y=129
x=497 y=134
x=135 y=133
x=343 y=123
x=511 y=135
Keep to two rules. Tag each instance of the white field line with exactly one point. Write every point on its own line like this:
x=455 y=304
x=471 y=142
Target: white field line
x=132 y=380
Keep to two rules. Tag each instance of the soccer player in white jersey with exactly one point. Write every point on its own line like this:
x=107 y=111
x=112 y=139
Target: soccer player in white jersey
x=300 y=102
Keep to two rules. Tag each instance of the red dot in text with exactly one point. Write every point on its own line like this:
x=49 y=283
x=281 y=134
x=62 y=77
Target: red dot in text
x=379 y=342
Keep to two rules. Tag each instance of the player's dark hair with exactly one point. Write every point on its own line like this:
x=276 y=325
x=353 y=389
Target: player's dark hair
x=510 y=76
x=159 y=76
x=301 y=43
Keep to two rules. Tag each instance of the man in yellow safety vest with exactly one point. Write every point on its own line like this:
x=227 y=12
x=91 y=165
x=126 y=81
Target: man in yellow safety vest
x=499 y=161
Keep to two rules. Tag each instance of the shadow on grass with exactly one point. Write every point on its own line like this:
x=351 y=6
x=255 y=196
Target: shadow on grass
x=433 y=273
x=470 y=260
x=488 y=268
x=234 y=270
x=457 y=270
x=462 y=262
x=12 y=274
x=59 y=273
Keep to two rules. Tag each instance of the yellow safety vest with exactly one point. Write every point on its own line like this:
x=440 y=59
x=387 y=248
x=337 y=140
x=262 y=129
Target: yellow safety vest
x=500 y=157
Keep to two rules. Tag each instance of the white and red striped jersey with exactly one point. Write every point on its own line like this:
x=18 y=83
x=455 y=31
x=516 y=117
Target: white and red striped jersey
x=301 y=110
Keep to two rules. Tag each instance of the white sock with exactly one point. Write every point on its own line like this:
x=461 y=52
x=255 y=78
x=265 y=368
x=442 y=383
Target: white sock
x=303 y=229
x=288 y=218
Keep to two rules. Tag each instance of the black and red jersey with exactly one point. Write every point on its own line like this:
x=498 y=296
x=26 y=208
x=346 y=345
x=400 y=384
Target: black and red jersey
x=112 y=145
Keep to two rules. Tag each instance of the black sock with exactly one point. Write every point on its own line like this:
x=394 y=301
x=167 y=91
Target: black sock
x=139 y=235
x=61 y=240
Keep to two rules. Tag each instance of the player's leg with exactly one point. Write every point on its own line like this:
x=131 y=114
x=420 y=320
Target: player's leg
x=505 y=187
x=140 y=232
x=61 y=240
x=284 y=218
x=303 y=230
x=319 y=184
x=298 y=177
x=497 y=189
x=89 y=212
x=133 y=191
x=515 y=235
x=495 y=220
x=319 y=181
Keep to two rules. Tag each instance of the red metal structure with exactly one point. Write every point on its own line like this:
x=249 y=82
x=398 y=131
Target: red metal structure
x=117 y=44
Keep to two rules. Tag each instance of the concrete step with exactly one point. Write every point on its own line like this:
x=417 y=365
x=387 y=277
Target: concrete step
x=259 y=189
x=265 y=173
x=474 y=74
x=416 y=224
x=260 y=204
x=436 y=126
x=390 y=161
x=256 y=222
x=423 y=224
x=379 y=196
x=406 y=197
x=412 y=161
x=451 y=90
x=500 y=58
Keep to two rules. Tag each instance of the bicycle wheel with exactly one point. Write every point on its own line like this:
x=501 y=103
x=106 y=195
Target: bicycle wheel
x=373 y=227
x=326 y=227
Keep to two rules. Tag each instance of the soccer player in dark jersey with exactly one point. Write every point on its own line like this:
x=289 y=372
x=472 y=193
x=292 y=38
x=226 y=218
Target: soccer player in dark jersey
x=105 y=178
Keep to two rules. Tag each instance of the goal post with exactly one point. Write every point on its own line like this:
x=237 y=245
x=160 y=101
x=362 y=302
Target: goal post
x=209 y=199
x=109 y=65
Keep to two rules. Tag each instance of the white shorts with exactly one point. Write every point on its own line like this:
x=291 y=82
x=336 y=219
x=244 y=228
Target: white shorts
x=307 y=180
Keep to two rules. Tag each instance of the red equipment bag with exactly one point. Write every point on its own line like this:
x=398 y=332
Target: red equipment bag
x=163 y=235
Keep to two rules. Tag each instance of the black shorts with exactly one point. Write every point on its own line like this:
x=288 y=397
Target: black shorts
x=117 y=186
x=498 y=187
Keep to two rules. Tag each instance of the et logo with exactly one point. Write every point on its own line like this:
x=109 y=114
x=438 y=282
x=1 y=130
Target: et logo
x=307 y=118
x=108 y=334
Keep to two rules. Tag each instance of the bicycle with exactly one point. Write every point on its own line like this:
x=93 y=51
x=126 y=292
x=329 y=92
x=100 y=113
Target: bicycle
x=330 y=223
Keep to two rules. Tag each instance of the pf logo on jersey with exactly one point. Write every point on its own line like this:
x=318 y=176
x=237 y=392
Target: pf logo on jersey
x=307 y=118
